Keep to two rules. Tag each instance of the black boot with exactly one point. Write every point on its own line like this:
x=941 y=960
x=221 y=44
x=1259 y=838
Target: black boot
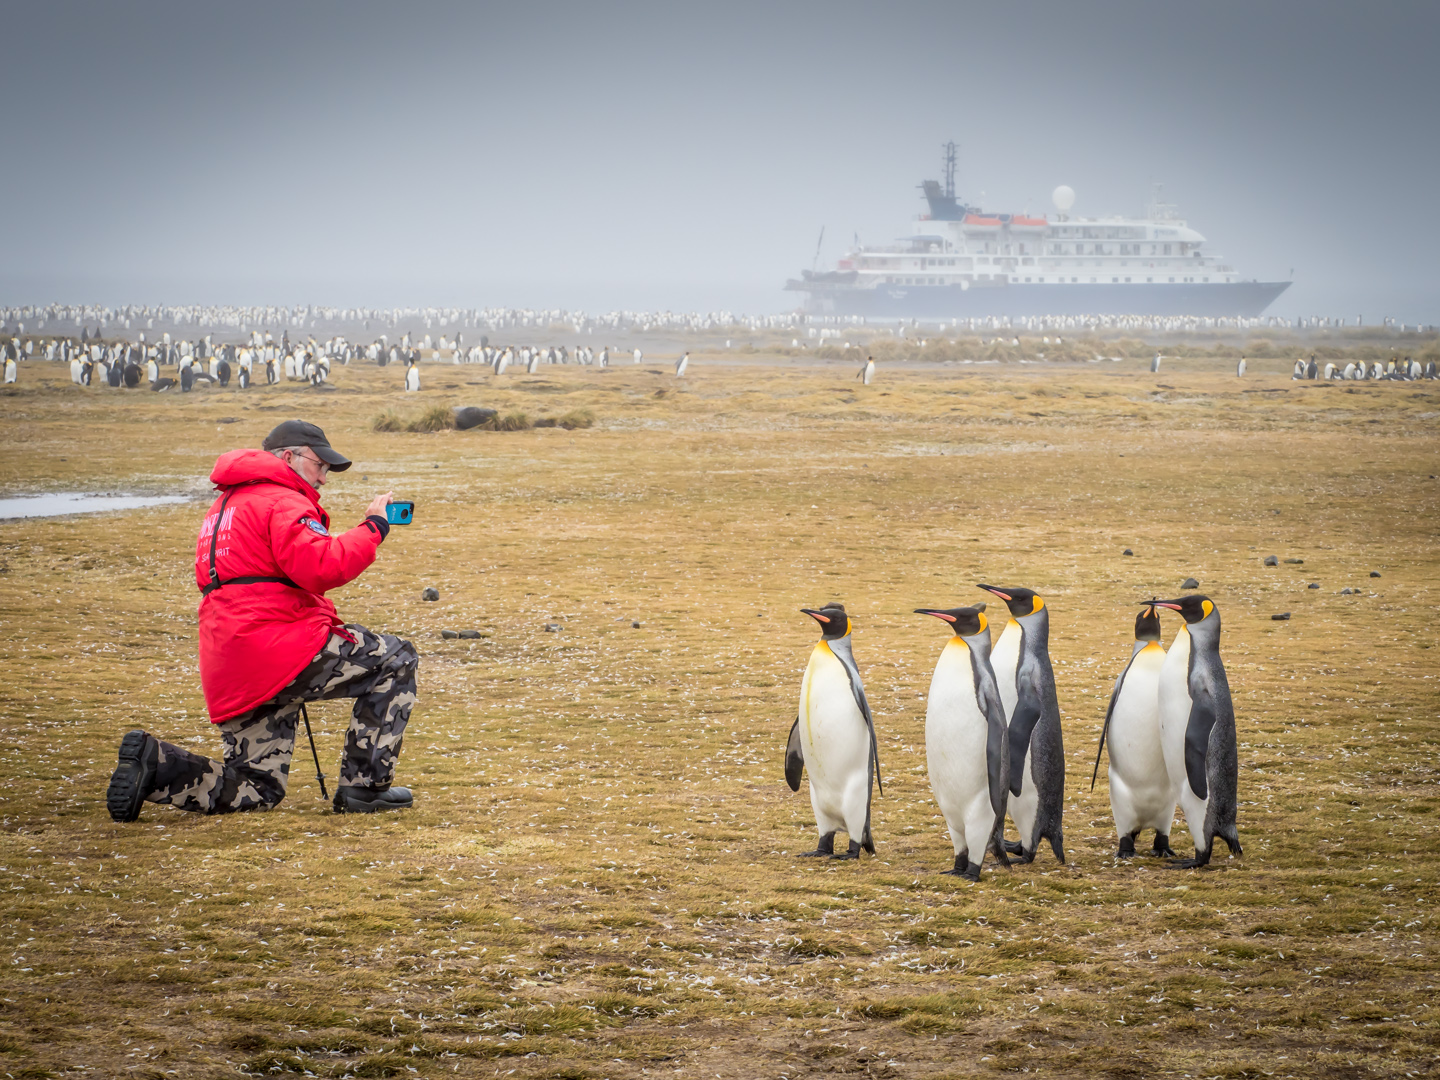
x=361 y=800
x=134 y=776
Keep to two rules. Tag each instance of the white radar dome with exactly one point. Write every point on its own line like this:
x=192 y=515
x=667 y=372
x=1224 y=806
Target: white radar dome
x=1063 y=197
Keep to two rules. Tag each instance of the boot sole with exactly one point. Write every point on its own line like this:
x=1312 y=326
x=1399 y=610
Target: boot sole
x=132 y=779
x=346 y=806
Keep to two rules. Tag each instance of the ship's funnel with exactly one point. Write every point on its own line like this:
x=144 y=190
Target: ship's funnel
x=1063 y=198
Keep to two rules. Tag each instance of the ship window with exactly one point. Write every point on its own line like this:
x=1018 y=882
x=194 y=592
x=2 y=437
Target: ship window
x=1027 y=279
x=1114 y=281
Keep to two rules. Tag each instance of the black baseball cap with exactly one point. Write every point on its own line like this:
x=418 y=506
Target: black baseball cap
x=299 y=433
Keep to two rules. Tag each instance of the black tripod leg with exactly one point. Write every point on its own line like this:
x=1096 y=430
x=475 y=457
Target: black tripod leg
x=304 y=715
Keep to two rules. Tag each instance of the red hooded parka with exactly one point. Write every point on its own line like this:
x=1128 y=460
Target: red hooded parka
x=256 y=636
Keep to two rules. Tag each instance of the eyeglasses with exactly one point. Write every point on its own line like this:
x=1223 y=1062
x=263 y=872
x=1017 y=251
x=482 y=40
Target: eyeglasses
x=324 y=465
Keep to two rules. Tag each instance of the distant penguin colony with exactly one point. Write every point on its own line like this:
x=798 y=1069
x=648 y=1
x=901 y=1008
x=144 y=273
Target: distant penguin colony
x=992 y=738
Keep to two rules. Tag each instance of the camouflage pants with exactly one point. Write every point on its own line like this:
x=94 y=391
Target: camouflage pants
x=377 y=670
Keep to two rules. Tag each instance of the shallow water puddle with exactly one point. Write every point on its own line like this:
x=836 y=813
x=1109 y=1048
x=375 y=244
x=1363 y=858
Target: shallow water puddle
x=73 y=502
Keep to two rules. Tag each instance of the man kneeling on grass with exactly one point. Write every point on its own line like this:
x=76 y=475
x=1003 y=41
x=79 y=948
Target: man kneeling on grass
x=270 y=641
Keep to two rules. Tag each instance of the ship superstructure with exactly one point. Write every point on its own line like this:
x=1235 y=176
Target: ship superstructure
x=964 y=262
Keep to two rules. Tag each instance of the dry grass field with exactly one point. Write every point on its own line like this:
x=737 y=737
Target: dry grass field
x=599 y=878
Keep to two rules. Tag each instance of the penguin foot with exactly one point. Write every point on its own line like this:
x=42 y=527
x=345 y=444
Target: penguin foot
x=1161 y=850
x=962 y=863
x=825 y=847
x=1127 y=848
x=1014 y=847
x=1200 y=859
x=1234 y=845
x=853 y=853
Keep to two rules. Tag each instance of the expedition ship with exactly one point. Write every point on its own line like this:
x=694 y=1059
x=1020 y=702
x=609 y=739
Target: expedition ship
x=963 y=262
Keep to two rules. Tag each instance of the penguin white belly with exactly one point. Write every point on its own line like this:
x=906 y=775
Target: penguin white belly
x=1005 y=659
x=955 y=736
x=1175 y=701
x=1142 y=794
x=836 y=743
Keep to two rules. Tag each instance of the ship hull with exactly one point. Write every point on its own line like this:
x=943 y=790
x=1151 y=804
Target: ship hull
x=1215 y=300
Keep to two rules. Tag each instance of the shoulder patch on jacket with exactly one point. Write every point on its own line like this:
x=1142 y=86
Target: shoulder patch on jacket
x=314 y=526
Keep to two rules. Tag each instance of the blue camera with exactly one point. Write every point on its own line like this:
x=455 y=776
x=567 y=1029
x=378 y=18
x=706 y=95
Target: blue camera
x=400 y=513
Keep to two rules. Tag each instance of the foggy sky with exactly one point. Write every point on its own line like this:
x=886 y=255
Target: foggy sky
x=686 y=156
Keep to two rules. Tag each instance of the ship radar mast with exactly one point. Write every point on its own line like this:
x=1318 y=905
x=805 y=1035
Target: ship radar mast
x=1158 y=209
x=944 y=206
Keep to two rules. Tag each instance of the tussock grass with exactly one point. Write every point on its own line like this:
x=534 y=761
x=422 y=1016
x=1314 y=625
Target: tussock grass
x=435 y=418
x=603 y=842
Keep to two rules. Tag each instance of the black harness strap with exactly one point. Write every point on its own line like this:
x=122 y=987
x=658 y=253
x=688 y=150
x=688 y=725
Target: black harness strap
x=215 y=582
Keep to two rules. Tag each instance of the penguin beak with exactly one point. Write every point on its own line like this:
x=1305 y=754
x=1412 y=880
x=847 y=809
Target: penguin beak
x=938 y=614
x=991 y=589
x=816 y=615
x=1165 y=604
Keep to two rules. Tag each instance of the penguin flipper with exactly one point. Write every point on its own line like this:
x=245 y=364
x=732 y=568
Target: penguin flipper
x=841 y=649
x=1022 y=725
x=997 y=749
x=1109 y=711
x=794 y=757
x=1197 y=741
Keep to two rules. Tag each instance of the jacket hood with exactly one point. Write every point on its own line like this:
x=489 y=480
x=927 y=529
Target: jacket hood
x=247 y=466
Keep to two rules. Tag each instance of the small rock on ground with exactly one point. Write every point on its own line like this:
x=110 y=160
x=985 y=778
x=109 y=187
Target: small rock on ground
x=1272 y=560
x=430 y=594
x=1127 y=551
x=1284 y=615
x=1190 y=583
x=1314 y=585
x=1374 y=573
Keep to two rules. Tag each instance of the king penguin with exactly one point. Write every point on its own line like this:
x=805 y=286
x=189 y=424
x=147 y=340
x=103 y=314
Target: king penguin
x=834 y=737
x=867 y=371
x=967 y=745
x=1141 y=794
x=412 y=375
x=1197 y=728
x=1037 y=751
x=682 y=365
x=10 y=370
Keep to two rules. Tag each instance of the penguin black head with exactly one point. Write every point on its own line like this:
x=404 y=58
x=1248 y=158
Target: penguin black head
x=965 y=621
x=1021 y=602
x=834 y=623
x=1147 y=623
x=1193 y=608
